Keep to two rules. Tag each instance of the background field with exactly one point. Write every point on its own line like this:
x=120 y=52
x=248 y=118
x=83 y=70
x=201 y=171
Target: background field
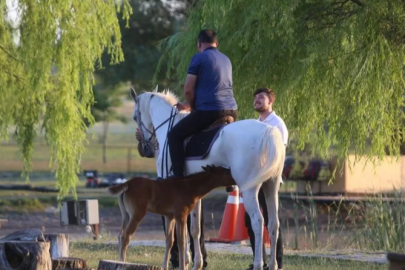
x=307 y=225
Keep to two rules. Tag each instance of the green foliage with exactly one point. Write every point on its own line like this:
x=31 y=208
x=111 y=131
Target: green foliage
x=336 y=66
x=47 y=60
x=152 y=20
x=107 y=100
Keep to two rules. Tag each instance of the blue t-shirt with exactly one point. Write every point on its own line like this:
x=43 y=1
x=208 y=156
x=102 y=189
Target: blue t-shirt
x=213 y=89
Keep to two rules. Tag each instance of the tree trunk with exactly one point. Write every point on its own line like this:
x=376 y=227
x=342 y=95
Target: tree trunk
x=115 y=265
x=59 y=245
x=68 y=268
x=77 y=269
x=61 y=263
x=25 y=255
x=396 y=261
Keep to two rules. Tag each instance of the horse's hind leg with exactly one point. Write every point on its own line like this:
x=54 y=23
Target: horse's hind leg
x=124 y=224
x=169 y=241
x=251 y=204
x=270 y=189
x=132 y=226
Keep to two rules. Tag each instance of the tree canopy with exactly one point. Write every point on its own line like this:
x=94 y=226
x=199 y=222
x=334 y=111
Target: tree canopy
x=337 y=66
x=152 y=20
x=48 y=53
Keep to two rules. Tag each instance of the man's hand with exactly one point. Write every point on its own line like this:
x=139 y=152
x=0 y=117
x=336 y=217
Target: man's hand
x=138 y=135
x=184 y=106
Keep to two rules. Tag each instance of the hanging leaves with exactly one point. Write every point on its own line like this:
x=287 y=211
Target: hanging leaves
x=335 y=65
x=48 y=53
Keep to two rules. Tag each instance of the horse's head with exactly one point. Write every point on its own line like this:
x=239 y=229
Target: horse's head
x=142 y=117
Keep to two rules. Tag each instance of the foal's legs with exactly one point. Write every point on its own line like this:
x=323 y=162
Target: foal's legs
x=181 y=228
x=130 y=229
x=124 y=224
x=196 y=233
x=187 y=248
x=252 y=208
x=169 y=240
x=270 y=189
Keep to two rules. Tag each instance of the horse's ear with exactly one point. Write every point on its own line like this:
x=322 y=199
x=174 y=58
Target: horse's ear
x=156 y=89
x=208 y=168
x=133 y=94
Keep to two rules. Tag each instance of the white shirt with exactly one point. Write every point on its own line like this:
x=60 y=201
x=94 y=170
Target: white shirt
x=274 y=120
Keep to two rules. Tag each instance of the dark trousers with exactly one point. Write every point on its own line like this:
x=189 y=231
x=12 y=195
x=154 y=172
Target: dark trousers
x=174 y=253
x=191 y=124
x=279 y=247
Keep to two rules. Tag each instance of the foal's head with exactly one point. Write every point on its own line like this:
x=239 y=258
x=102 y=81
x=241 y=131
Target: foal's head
x=220 y=175
x=216 y=171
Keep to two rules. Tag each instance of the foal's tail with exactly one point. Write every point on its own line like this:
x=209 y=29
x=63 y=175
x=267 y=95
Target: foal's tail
x=117 y=189
x=271 y=158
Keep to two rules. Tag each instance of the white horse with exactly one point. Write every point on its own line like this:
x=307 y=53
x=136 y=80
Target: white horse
x=252 y=150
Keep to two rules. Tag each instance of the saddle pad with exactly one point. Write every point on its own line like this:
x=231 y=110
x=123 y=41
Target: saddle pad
x=199 y=145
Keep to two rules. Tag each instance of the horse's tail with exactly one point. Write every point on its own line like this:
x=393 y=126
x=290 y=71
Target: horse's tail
x=270 y=158
x=117 y=189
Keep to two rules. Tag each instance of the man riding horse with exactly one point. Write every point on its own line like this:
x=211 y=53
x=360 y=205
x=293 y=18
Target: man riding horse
x=209 y=95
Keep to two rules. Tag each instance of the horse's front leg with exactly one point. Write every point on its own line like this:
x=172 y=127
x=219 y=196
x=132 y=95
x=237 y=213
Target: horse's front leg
x=196 y=233
x=251 y=204
x=169 y=240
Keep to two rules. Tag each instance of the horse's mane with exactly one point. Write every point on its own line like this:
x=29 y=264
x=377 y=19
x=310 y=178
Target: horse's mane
x=187 y=178
x=168 y=96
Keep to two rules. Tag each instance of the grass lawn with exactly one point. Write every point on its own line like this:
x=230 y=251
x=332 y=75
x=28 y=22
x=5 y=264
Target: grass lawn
x=93 y=252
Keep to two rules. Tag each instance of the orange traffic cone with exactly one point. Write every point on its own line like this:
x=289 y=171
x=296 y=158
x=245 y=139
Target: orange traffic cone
x=227 y=229
x=266 y=237
x=241 y=232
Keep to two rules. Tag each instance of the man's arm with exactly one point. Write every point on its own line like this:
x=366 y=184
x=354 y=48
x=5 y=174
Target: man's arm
x=191 y=80
x=189 y=87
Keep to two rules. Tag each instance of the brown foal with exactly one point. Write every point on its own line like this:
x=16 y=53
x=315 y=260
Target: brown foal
x=173 y=198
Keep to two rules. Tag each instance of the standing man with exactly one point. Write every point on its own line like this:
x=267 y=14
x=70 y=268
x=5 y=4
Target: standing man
x=209 y=93
x=263 y=104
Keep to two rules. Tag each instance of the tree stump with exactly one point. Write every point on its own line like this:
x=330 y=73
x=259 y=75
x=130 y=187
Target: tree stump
x=59 y=245
x=396 y=261
x=25 y=255
x=115 y=265
x=77 y=269
x=60 y=263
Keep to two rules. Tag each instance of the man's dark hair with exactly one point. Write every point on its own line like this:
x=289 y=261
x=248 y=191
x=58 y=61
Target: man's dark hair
x=207 y=36
x=270 y=93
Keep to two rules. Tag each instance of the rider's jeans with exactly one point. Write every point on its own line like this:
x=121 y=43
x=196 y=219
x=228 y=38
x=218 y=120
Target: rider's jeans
x=194 y=122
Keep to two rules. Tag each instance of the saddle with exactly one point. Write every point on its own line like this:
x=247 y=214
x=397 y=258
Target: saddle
x=221 y=122
x=199 y=145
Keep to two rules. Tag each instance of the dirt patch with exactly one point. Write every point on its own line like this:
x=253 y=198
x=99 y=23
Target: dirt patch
x=151 y=227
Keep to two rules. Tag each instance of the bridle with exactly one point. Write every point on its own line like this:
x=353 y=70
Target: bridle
x=152 y=134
